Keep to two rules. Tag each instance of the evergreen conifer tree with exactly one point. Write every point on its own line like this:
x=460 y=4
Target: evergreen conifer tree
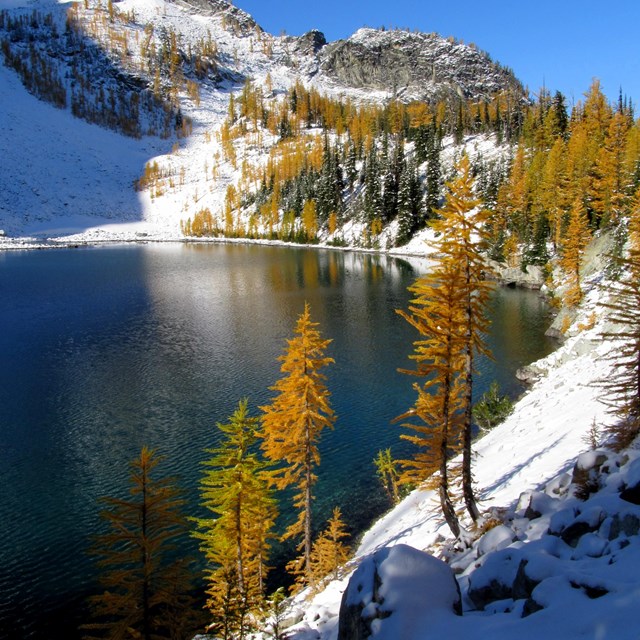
x=372 y=195
x=409 y=195
x=351 y=172
x=433 y=182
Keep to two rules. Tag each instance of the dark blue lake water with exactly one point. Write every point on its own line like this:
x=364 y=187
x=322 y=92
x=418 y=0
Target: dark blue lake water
x=104 y=350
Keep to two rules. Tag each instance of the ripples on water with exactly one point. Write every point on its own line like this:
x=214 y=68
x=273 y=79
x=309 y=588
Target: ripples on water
x=106 y=350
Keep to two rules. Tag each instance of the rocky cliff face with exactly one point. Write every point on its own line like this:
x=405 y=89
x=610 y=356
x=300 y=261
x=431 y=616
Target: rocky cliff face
x=413 y=66
x=237 y=21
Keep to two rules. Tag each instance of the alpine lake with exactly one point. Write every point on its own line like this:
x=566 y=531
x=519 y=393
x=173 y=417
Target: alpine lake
x=107 y=349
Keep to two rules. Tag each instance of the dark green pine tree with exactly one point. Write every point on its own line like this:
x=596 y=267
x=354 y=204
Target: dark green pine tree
x=409 y=196
x=389 y=196
x=433 y=181
x=486 y=118
x=293 y=101
x=284 y=127
x=560 y=117
x=351 y=172
x=395 y=167
x=372 y=195
x=338 y=183
x=421 y=141
x=330 y=185
x=498 y=126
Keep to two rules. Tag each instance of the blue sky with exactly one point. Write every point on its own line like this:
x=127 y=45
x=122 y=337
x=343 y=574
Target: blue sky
x=561 y=43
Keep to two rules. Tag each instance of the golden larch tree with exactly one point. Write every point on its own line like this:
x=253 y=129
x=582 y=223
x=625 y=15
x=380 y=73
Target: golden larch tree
x=435 y=417
x=329 y=552
x=450 y=312
x=554 y=189
x=463 y=235
x=574 y=243
x=293 y=421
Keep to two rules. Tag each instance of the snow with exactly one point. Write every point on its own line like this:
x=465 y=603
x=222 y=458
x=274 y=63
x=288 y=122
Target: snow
x=82 y=189
x=587 y=582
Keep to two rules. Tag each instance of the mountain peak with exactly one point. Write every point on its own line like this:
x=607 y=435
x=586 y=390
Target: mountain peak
x=413 y=65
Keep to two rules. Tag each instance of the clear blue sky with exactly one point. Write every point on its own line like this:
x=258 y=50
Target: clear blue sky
x=561 y=43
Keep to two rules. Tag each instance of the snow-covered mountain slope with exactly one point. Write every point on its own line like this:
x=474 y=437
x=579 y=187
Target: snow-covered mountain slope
x=60 y=175
x=558 y=566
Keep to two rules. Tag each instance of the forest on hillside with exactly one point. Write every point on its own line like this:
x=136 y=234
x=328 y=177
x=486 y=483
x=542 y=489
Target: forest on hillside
x=331 y=162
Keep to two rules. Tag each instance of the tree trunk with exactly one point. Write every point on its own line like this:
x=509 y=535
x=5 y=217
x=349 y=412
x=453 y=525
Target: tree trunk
x=467 y=478
x=307 y=515
x=448 y=509
x=146 y=613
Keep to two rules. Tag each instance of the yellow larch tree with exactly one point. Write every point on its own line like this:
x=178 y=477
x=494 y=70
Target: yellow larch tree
x=610 y=182
x=310 y=220
x=574 y=243
x=434 y=418
x=554 y=189
x=462 y=235
x=449 y=311
x=293 y=421
x=329 y=552
x=513 y=201
x=146 y=589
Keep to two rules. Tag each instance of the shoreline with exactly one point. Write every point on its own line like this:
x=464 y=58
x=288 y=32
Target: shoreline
x=504 y=276
x=31 y=243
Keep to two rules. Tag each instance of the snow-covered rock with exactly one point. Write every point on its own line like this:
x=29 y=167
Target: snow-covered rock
x=412 y=65
x=395 y=592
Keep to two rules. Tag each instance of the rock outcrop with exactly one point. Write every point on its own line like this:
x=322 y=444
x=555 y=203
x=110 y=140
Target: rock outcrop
x=237 y=21
x=414 y=65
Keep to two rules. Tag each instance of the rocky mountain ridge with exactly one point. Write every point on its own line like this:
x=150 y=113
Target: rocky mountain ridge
x=413 y=66
x=404 y=64
x=393 y=63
